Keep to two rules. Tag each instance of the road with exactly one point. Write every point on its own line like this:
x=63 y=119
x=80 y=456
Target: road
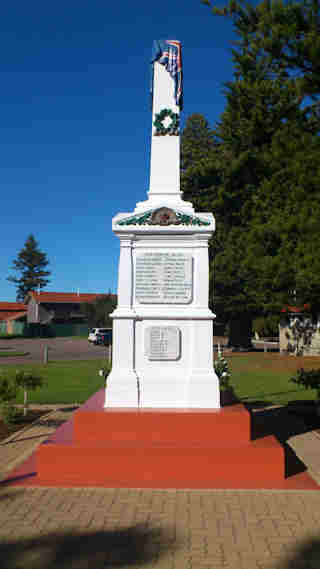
x=58 y=349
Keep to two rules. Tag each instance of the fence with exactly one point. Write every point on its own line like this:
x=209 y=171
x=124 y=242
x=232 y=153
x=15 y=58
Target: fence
x=43 y=331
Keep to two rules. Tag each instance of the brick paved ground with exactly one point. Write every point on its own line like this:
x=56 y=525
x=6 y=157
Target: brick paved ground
x=48 y=528
x=100 y=528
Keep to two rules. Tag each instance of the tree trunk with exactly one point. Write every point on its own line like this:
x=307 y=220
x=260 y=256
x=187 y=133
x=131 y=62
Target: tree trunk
x=25 y=404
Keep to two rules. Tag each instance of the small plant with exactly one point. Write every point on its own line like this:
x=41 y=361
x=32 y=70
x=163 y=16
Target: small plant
x=8 y=394
x=28 y=381
x=309 y=379
x=222 y=370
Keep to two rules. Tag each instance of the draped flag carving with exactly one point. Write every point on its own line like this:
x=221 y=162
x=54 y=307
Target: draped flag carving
x=168 y=53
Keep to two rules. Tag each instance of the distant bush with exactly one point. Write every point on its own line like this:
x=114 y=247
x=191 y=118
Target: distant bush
x=8 y=394
x=309 y=379
x=266 y=326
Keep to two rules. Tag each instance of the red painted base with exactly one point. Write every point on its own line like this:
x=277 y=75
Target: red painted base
x=158 y=448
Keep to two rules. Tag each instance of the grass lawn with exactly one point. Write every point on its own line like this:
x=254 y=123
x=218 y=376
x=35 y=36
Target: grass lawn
x=67 y=381
x=12 y=354
x=255 y=376
x=265 y=377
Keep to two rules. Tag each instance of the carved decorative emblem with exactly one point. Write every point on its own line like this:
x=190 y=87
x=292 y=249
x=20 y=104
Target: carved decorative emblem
x=163 y=216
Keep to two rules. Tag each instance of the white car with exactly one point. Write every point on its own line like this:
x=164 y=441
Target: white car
x=93 y=333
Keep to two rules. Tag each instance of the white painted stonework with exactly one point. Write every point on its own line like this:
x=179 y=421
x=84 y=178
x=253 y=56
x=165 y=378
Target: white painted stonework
x=162 y=326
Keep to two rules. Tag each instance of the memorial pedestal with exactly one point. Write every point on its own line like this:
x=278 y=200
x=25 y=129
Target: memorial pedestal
x=162 y=327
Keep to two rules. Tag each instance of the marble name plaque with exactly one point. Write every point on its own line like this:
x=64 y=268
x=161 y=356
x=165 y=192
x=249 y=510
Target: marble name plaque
x=163 y=278
x=162 y=343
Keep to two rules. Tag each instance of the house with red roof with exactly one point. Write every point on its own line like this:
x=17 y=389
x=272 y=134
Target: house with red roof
x=57 y=307
x=11 y=312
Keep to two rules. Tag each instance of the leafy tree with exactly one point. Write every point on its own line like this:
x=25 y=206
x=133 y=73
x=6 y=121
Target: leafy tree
x=31 y=264
x=98 y=311
x=28 y=381
x=260 y=175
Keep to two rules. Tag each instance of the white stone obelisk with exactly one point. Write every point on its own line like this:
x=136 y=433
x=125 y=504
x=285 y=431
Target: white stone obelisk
x=162 y=326
x=165 y=150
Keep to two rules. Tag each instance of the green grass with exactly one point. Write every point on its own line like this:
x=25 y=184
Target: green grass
x=265 y=377
x=67 y=381
x=255 y=377
x=13 y=354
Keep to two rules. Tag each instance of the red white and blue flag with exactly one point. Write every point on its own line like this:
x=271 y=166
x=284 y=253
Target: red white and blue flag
x=168 y=53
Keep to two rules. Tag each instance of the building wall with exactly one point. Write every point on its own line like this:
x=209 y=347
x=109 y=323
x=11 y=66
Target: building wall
x=308 y=341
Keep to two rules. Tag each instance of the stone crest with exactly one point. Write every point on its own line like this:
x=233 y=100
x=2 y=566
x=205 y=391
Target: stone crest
x=163 y=217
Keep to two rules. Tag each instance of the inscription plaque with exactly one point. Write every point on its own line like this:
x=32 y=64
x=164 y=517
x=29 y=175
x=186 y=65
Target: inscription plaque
x=163 y=278
x=162 y=342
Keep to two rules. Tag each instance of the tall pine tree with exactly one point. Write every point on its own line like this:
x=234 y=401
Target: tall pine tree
x=30 y=264
x=261 y=179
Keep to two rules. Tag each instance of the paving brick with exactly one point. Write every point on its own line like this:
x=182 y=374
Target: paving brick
x=183 y=529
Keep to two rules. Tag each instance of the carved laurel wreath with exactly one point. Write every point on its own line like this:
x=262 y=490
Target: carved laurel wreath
x=172 y=129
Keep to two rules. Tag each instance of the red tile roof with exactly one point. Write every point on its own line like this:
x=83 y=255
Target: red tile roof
x=67 y=297
x=13 y=306
x=296 y=309
x=10 y=315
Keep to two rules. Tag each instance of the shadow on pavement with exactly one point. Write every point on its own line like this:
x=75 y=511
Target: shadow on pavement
x=135 y=545
x=306 y=555
x=10 y=495
x=283 y=425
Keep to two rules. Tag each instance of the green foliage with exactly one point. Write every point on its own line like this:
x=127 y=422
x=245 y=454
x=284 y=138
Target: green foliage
x=222 y=370
x=266 y=326
x=9 y=413
x=28 y=381
x=8 y=388
x=309 y=379
x=30 y=263
x=97 y=312
x=258 y=169
x=8 y=393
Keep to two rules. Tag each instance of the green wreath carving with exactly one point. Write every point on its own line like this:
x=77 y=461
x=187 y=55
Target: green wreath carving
x=172 y=129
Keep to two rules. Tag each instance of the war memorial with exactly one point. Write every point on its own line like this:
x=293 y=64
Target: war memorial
x=163 y=334
x=158 y=423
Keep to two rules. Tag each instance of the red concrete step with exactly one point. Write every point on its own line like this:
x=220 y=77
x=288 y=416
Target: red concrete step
x=161 y=465
x=151 y=425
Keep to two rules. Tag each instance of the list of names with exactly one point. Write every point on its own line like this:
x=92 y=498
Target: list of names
x=163 y=278
x=162 y=342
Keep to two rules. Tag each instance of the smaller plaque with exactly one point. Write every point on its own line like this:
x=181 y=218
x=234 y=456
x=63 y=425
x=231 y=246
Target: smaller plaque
x=162 y=343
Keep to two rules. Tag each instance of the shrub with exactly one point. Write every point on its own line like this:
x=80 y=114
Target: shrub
x=222 y=370
x=266 y=326
x=28 y=381
x=309 y=379
x=8 y=394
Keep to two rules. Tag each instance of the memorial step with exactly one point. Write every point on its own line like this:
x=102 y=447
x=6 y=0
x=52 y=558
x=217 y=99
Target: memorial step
x=229 y=424
x=137 y=464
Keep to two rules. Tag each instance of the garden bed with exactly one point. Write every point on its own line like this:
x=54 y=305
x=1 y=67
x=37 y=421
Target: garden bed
x=21 y=423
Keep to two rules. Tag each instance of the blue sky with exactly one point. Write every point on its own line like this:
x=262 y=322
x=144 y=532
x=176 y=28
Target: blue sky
x=75 y=122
